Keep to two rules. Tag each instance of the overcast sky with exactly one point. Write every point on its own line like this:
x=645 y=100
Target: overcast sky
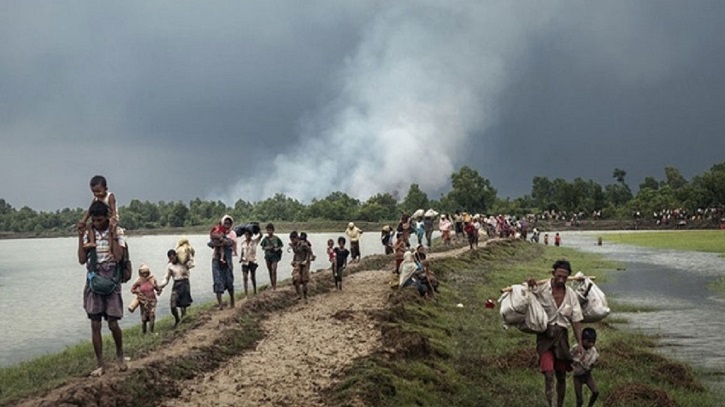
x=173 y=100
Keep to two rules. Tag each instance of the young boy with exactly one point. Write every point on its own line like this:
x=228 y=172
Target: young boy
x=583 y=365
x=99 y=188
x=300 y=264
x=181 y=291
x=341 y=254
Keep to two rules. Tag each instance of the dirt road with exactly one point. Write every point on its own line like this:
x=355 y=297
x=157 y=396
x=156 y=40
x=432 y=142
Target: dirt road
x=304 y=348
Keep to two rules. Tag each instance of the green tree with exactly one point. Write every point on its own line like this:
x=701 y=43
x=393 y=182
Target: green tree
x=674 y=179
x=542 y=192
x=177 y=215
x=709 y=188
x=619 y=174
x=414 y=200
x=336 y=206
x=470 y=191
x=280 y=207
x=387 y=203
x=649 y=183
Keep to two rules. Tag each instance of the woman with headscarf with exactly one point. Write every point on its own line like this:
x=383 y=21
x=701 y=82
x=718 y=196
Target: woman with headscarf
x=409 y=274
x=222 y=266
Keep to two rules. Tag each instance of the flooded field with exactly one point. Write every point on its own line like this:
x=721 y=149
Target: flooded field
x=686 y=315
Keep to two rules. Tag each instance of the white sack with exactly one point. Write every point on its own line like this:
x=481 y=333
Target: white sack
x=514 y=304
x=520 y=308
x=418 y=214
x=536 y=319
x=430 y=213
x=592 y=299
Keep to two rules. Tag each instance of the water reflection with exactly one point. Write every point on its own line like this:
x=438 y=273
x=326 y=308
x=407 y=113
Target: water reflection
x=688 y=316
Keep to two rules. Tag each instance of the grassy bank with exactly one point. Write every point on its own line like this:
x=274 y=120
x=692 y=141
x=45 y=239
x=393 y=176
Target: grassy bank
x=712 y=241
x=437 y=354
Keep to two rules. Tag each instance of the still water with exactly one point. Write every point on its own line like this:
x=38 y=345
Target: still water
x=41 y=287
x=687 y=316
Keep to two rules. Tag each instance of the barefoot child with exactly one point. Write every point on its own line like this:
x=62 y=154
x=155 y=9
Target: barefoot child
x=341 y=254
x=249 y=259
x=100 y=191
x=181 y=291
x=331 y=255
x=145 y=289
x=583 y=365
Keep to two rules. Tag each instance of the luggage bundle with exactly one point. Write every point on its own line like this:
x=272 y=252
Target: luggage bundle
x=247 y=227
x=430 y=213
x=591 y=298
x=520 y=308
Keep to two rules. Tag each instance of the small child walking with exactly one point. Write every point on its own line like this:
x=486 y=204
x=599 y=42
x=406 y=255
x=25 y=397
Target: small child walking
x=583 y=365
x=145 y=288
x=341 y=254
x=331 y=255
x=99 y=188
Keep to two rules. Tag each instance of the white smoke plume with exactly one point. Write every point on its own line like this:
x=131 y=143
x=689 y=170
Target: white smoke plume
x=424 y=78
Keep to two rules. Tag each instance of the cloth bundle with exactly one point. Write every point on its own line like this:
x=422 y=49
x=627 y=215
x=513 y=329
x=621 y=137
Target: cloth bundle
x=521 y=309
x=430 y=213
x=591 y=298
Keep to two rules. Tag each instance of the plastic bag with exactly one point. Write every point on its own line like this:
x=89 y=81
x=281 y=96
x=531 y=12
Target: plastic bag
x=591 y=298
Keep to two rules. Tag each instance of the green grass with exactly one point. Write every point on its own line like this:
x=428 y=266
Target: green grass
x=712 y=241
x=442 y=355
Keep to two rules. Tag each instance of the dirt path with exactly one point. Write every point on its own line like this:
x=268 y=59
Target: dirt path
x=305 y=347
x=303 y=351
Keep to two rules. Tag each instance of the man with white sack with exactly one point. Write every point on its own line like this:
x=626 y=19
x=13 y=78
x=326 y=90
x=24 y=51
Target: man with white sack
x=562 y=307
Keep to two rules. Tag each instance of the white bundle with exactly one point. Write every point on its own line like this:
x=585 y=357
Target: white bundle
x=536 y=319
x=520 y=308
x=418 y=214
x=514 y=304
x=591 y=298
x=430 y=213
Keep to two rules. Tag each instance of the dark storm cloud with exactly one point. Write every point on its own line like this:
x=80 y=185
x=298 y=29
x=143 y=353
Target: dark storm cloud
x=633 y=85
x=174 y=100
x=171 y=90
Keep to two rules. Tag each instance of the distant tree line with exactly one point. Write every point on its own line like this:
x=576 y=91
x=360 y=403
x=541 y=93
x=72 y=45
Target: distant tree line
x=469 y=192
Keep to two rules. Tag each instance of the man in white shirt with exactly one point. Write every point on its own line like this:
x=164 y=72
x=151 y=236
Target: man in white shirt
x=562 y=306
